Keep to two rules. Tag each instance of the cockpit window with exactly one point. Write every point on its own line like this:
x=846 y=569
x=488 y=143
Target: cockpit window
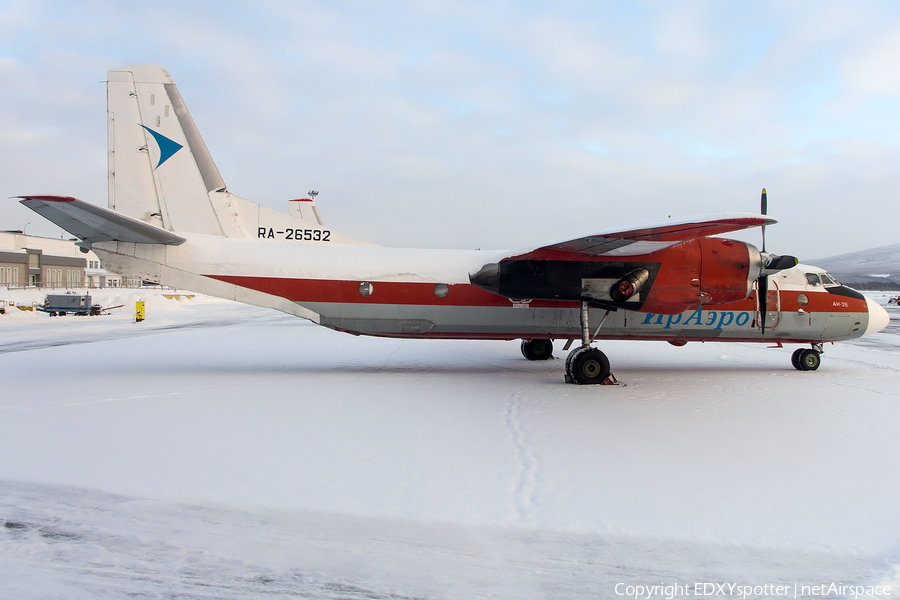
x=813 y=279
x=828 y=280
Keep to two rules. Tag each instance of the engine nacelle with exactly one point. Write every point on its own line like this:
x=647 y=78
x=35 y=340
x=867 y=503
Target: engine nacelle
x=728 y=269
x=699 y=272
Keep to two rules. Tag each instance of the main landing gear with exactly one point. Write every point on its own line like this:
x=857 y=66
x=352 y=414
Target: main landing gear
x=807 y=359
x=537 y=349
x=587 y=365
x=584 y=365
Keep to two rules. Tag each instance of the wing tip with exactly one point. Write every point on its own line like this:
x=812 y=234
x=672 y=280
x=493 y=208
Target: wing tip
x=48 y=198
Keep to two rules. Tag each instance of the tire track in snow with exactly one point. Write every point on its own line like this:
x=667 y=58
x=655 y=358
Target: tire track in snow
x=384 y=366
x=525 y=481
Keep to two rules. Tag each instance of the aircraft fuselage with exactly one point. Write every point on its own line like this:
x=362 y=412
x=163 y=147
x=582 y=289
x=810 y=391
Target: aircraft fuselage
x=423 y=293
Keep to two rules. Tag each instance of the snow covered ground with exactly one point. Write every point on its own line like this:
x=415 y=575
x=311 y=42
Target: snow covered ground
x=223 y=451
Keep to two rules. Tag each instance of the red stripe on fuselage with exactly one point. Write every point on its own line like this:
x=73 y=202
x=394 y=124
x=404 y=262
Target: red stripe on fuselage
x=464 y=294
x=384 y=292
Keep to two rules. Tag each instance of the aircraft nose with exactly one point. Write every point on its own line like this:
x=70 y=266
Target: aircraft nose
x=878 y=317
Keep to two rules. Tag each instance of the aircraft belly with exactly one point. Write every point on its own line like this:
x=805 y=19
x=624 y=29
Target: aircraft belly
x=430 y=320
x=508 y=322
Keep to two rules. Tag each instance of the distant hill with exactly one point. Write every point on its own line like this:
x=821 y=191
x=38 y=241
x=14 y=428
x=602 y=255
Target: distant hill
x=875 y=269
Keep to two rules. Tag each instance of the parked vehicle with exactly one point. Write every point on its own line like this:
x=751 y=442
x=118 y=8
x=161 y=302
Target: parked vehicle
x=62 y=304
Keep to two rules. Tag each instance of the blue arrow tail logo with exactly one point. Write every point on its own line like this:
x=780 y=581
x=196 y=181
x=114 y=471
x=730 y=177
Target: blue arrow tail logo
x=167 y=147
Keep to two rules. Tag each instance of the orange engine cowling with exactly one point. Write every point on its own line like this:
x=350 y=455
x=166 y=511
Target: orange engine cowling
x=728 y=269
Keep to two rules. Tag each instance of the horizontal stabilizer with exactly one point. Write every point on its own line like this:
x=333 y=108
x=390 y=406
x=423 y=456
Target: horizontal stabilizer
x=92 y=223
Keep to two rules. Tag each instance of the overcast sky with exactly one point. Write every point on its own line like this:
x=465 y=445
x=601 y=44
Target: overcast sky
x=491 y=125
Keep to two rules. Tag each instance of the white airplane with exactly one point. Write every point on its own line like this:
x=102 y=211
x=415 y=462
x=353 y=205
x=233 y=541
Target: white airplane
x=172 y=220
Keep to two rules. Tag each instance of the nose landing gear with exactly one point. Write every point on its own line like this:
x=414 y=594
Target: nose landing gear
x=807 y=359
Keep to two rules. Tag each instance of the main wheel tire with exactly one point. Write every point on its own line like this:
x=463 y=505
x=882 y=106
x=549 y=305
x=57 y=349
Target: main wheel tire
x=537 y=349
x=795 y=358
x=569 y=361
x=809 y=360
x=589 y=366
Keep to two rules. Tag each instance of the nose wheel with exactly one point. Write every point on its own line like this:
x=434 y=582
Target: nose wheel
x=807 y=359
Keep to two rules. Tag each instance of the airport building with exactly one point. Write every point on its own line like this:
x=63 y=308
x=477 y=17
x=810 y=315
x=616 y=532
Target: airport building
x=35 y=261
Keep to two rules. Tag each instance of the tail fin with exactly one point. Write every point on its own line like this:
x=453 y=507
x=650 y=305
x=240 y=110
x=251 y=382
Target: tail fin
x=161 y=173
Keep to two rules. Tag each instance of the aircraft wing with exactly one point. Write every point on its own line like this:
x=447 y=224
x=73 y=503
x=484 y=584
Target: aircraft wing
x=651 y=237
x=93 y=223
x=632 y=268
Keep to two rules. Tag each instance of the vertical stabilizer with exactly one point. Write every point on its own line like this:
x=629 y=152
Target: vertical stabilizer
x=160 y=171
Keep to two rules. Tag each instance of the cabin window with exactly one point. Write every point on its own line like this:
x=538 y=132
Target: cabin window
x=813 y=279
x=441 y=290
x=366 y=288
x=802 y=299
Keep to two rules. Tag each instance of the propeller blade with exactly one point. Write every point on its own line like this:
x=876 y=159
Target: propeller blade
x=762 y=293
x=763 y=209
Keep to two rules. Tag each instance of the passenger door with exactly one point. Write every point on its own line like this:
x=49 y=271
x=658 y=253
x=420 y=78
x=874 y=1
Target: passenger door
x=773 y=305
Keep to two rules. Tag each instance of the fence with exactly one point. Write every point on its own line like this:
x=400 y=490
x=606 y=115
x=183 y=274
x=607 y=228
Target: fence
x=132 y=284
